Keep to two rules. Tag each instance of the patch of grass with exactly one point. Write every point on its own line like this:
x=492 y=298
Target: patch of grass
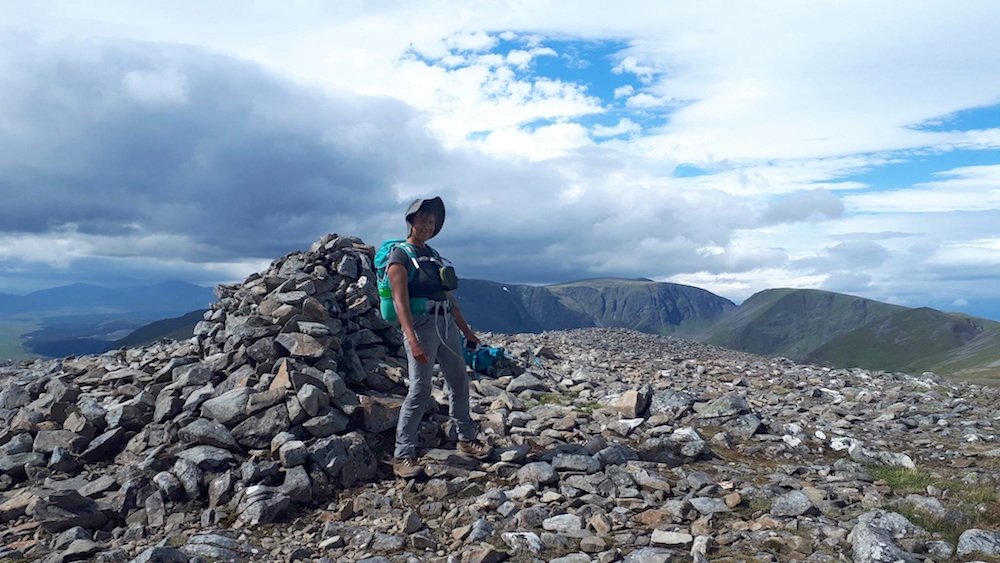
x=567 y=399
x=757 y=505
x=556 y=399
x=903 y=480
x=980 y=495
x=944 y=528
x=980 y=504
x=985 y=513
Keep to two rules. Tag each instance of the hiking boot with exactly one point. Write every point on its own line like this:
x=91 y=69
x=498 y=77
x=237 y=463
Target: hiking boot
x=475 y=448
x=407 y=468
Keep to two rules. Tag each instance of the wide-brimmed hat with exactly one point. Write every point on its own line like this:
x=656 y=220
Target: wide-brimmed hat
x=433 y=205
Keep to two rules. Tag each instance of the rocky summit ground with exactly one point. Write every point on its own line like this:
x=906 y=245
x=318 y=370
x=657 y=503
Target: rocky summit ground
x=268 y=437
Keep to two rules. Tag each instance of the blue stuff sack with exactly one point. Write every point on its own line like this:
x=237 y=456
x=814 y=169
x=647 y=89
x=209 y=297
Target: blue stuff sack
x=484 y=359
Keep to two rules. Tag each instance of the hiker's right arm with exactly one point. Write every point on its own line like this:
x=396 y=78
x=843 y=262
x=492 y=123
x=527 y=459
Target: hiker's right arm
x=401 y=299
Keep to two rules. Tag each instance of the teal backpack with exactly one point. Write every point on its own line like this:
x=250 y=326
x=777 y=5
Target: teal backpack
x=418 y=306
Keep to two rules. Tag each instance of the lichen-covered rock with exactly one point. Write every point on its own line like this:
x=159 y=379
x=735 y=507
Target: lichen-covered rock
x=979 y=542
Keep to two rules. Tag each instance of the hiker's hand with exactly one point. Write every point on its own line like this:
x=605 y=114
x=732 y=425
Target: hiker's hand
x=418 y=352
x=471 y=337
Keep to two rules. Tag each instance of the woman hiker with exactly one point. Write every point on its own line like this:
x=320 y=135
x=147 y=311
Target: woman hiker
x=429 y=336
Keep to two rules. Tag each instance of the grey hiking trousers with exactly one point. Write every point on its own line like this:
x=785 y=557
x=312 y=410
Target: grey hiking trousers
x=435 y=332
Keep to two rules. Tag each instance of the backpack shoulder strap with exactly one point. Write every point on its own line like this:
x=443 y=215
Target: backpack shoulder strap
x=411 y=253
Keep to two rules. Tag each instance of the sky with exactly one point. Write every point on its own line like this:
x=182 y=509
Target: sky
x=850 y=146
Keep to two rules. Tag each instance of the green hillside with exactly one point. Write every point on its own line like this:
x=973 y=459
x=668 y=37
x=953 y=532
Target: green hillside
x=802 y=324
x=177 y=328
x=917 y=340
x=794 y=322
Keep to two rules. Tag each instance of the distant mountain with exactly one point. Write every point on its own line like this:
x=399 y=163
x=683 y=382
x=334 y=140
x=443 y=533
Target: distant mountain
x=177 y=328
x=166 y=298
x=86 y=319
x=793 y=322
x=514 y=308
x=802 y=324
x=660 y=308
x=847 y=331
x=918 y=340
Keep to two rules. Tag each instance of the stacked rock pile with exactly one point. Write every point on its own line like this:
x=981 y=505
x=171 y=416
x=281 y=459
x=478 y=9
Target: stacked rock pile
x=282 y=397
x=315 y=311
x=261 y=439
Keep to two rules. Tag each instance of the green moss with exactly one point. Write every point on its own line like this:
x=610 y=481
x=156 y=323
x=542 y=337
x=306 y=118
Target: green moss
x=757 y=505
x=587 y=407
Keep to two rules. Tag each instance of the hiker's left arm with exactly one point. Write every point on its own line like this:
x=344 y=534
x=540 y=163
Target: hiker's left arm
x=460 y=320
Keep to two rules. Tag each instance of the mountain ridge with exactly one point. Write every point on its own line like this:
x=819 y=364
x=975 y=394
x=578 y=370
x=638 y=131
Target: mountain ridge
x=809 y=325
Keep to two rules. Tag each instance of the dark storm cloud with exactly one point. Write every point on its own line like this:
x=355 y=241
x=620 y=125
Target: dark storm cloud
x=131 y=138
x=151 y=161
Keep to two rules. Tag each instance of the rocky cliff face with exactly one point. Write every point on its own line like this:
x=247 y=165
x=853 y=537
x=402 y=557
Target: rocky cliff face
x=657 y=308
x=268 y=436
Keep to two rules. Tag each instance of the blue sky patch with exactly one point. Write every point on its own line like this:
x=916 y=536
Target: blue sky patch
x=916 y=169
x=689 y=171
x=985 y=117
x=588 y=63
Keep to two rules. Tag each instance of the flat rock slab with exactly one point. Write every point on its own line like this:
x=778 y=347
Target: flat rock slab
x=208 y=457
x=58 y=511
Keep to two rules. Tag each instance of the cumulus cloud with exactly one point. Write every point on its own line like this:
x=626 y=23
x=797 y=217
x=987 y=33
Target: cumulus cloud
x=777 y=111
x=471 y=41
x=624 y=91
x=855 y=283
x=631 y=64
x=802 y=206
x=645 y=101
x=252 y=166
x=854 y=254
x=850 y=257
x=625 y=126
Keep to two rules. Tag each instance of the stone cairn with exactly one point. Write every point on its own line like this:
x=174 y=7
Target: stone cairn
x=281 y=397
x=263 y=437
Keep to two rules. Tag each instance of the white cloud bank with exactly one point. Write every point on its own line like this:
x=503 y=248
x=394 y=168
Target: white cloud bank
x=778 y=103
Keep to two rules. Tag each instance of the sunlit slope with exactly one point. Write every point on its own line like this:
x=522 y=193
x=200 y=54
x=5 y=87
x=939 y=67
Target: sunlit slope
x=847 y=331
x=794 y=322
x=917 y=340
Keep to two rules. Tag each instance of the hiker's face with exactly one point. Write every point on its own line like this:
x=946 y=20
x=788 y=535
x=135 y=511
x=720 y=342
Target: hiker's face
x=423 y=225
